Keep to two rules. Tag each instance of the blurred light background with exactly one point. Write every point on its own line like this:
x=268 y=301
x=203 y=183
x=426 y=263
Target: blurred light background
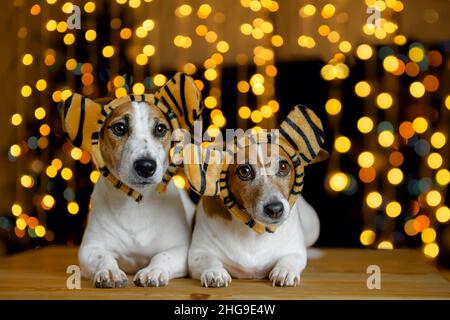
x=379 y=83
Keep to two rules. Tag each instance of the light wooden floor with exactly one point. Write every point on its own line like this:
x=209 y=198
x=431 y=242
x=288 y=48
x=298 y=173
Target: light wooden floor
x=338 y=274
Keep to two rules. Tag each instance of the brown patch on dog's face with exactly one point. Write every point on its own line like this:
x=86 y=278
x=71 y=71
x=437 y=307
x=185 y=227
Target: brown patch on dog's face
x=136 y=133
x=256 y=187
x=214 y=207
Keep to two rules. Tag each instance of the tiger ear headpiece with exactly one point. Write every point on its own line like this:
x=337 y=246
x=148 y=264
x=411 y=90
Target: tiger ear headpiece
x=82 y=121
x=300 y=135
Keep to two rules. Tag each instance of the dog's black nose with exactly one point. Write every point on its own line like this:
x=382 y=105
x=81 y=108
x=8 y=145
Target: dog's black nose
x=274 y=209
x=145 y=167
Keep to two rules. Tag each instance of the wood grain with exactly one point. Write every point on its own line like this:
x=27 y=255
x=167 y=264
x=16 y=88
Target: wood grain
x=337 y=274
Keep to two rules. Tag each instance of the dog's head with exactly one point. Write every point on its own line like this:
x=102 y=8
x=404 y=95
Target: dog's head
x=265 y=175
x=135 y=142
x=130 y=137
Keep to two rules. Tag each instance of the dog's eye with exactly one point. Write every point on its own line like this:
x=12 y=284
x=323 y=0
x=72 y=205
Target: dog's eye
x=160 y=130
x=245 y=172
x=283 y=168
x=119 y=129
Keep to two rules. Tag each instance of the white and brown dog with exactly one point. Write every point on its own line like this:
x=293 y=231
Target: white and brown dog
x=268 y=202
x=131 y=227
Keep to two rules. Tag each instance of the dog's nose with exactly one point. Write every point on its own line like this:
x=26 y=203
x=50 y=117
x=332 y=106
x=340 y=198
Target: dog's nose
x=145 y=167
x=274 y=209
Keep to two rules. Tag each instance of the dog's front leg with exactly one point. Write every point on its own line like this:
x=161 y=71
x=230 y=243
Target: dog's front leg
x=287 y=270
x=163 y=266
x=100 y=265
x=209 y=270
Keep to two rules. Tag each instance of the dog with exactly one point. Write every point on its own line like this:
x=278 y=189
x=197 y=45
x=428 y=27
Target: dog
x=132 y=228
x=252 y=223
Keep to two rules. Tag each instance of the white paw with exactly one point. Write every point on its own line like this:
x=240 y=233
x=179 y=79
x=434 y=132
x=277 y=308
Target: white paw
x=110 y=278
x=284 y=277
x=152 y=277
x=216 y=278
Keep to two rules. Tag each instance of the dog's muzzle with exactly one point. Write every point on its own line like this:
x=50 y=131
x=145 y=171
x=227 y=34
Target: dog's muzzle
x=145 y=168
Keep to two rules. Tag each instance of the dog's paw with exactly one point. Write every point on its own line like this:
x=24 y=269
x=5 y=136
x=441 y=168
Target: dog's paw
x=153 y=277
x=108 y=278
x=284 y=277
x=216 y=278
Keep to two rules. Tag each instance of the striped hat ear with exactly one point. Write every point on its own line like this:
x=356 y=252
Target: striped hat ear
x=303 y=130
x=202 y=167
x=181 y=95
x=79 y=120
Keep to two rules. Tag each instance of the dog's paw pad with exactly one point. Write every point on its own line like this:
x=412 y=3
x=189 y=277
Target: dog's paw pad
x=154 y=277
x=107 y=278
x=284 y=277
x=216 y=278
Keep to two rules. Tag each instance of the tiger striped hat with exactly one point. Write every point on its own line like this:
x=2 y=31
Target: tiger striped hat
x=300 y=135
x=82 y=121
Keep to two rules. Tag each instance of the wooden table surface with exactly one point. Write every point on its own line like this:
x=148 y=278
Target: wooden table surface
x=337 y=274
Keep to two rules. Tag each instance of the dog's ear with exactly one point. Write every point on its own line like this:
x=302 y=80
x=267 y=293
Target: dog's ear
x=79 y=120
x=181 y=95
x=303 y=130
x=202 y=167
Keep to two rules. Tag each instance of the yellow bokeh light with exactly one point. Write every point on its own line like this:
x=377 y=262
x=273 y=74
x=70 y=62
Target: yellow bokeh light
x=266 y=111
x=438 y=140
x=141 y=59
x=433 y=198
x=443 y=177
x=431 y=250
x=21 y=224
x=47 y=202
x=244 y=112
x=120 y=92
x=138 y=88
x=210 y=74
x=367 y=237
x=364 y=52
x=40 y=231
x=66 y=174
x=417 y=89
x=339 y=181
x=395 y=176
x=366 y=159
x=385 y=245
x=15 y=150
x=333 y=106
x=26 y=91
x=69 y=39
x=434 y=160
x=51 y=171
x=307 y=11
x=94 y=176
x=328 y=11
x=256 y=116
x=27 y=181
x=342 y=144
x=386 y=138
x=277 y=41
x=345 y=46
x=108 y=51
x=40 y=113
x=362 y=89
x=149 y=50
x=27 y=59
x=365 y=124
x=159 y=80
x=16 y=209
x=204 y=11
x=420 y=124
x=374 y=199
x=16 y=119
x=90 y=35
x=76 y=153
x=73 y=207
x=384 y=100
x=222 y=46
x=443 y=214
x=393 y=209
x=148 y=24
x=390 y=63
x=416 y=54
x=210 y=102
x=179 y=181
x=428 y=235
